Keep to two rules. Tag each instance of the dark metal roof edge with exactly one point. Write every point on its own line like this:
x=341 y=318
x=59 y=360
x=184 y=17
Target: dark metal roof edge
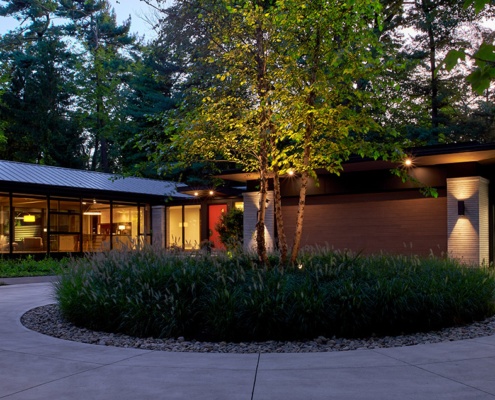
x=169 y=187
x=441 y=149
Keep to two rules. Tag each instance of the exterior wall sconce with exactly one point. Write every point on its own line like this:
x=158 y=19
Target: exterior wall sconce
x=461 y=208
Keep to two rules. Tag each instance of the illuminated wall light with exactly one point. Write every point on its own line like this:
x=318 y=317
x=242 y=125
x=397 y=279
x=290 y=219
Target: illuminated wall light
x=196 y=194
x=211 y=192
x=290 y=172
x=408 y=162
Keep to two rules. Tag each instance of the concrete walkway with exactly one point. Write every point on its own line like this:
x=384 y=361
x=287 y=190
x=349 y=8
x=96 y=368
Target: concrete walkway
x=34 y=366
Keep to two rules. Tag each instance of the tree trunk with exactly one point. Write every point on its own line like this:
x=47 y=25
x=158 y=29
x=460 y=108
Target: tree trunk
x=282 y=239
x=264 y=126
x=300 y=217
x=260 y=224
x=308 y=134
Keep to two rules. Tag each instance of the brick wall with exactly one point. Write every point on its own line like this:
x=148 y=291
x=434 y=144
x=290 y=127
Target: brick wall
x=398 y=222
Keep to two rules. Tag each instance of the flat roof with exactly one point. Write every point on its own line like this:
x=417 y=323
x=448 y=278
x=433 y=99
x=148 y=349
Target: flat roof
x=483 y=153
x=44 y=175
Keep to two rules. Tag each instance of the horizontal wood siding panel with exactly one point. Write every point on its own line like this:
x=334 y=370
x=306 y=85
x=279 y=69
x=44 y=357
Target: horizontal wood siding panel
x=373 y=223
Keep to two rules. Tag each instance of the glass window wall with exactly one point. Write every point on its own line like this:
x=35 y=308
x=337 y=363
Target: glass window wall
x=125 y=226
x=96 y=227
x=65 y=225
x=5 y=223
x=37 y=224
x=29 y=229
x=183 y=227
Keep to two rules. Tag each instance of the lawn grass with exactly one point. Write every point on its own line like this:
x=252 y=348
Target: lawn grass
x=28 y=266
x=159 y=294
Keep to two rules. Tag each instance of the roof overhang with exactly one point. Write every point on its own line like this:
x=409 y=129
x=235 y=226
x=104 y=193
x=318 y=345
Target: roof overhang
x=208 y=192
x=420 y=156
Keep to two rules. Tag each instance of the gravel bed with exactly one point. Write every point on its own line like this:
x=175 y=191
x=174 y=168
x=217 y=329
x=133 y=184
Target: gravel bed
x=48 y=320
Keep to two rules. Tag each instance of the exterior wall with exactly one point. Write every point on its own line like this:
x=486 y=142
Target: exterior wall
x=393 y=222
x=158 y=225
x=468 y=235
x=251 y=205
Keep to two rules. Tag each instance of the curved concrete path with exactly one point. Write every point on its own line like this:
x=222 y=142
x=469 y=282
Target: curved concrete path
x=34 y=366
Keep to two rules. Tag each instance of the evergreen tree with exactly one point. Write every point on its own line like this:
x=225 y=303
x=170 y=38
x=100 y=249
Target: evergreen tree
x=102 y=72
x=37 y=109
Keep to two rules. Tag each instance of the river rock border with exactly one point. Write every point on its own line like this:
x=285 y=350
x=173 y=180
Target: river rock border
x=48 y=320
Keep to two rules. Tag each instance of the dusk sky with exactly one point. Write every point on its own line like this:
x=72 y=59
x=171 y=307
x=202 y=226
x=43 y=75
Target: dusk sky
x=123 y=8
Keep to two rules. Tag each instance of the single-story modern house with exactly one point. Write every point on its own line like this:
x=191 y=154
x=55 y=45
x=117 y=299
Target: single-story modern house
x=368 y=209
x=47 y=209
x=57 y=210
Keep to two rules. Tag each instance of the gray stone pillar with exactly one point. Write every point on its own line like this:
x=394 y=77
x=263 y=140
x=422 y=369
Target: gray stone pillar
x=468 y=234
x=158 y=225
x=251 y=205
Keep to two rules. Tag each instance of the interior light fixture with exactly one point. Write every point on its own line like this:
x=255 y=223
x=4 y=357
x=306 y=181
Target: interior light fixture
x=92 y=213
x=461 y=207
x=121 y=227
x=29 y=218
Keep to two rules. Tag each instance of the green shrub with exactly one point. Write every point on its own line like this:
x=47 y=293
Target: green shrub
x=230 y=229
x=29 y=266
x=155 y=293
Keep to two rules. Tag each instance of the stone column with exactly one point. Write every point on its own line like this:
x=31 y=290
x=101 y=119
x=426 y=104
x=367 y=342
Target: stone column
x=251 y=205
x=158 y=226
x=468 y=234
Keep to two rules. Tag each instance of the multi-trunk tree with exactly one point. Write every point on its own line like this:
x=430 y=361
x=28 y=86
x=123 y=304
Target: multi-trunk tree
x=295 y=88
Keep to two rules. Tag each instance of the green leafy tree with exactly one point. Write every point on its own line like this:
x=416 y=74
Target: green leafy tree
x=294 y=90
x=101 y=75
x=483 y=56
x=434 y=95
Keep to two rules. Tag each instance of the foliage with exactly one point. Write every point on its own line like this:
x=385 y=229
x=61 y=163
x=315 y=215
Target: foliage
x=155 y=293
x=230 y=229
x=11 y=268
x=436 y=98
x=37 y=107
x=484 y=56
x=291 y=86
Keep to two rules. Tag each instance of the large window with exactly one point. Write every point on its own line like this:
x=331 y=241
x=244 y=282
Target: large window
x=5 y=223
x=125 y=224
x=183 y=227
x=65 y=225
x=36 y=224
x=96 y=225
x=29 y=229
